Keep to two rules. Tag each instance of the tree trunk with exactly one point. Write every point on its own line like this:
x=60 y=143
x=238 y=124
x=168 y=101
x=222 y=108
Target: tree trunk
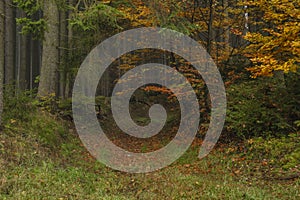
x=2 y=55
x=69 y=53
x=210 y=38
x=10 y=42
x=63 y=44
x=23 y=83
x=226 y=28
x=210 y=26
x=50 y=56
x=21 y=56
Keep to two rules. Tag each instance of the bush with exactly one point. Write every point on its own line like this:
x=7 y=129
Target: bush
x=22 y=109
x=17 y=104
x=261 y=107
x=283 y=152
x=29 y=130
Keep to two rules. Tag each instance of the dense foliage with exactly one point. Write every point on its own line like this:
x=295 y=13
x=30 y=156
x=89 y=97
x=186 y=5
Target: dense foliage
x=245 y=38
x=255 y=45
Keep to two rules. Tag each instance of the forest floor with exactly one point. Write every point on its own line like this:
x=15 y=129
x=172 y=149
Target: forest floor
x=43 y=158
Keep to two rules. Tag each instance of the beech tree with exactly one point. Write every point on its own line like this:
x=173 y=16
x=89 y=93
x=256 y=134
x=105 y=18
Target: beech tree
x=277 y=46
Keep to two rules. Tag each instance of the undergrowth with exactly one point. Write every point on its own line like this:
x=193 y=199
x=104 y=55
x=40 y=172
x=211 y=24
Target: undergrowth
x=41 y=157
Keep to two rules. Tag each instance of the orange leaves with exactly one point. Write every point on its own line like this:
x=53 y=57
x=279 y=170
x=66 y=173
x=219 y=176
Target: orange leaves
x=276 y=48
x=236 y=31
x=126 y=66
x=295 y=49
x=139 y=14
x=276 y=11
x=158 y=89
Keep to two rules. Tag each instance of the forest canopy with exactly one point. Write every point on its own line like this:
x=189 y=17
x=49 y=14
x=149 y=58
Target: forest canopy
x=43 y=44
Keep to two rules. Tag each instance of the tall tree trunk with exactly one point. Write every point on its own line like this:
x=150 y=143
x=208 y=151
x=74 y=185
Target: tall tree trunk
x=21 y=46
x=210 y=26
x=209 y=42
x=226 y=28
x=50 y=56
x=10 y=42
x=2 y=55
x=23 y=83
x=69 y=53
x=63 y=43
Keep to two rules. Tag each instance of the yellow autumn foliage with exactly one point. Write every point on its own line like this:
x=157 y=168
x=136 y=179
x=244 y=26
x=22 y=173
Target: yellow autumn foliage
x=276 y=48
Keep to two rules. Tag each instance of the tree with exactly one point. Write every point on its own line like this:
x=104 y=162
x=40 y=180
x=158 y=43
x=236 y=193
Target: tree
x=50 y=56
x=68 y=56
x=277 y=46
x=21 y=54
x=2 y=55
x=90 y=23
x=10 y=42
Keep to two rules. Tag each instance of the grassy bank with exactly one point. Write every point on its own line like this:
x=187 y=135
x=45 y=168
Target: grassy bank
x=42 y=158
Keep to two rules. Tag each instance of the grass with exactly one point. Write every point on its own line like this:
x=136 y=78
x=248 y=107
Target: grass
x=204 y=179
x=42 y=158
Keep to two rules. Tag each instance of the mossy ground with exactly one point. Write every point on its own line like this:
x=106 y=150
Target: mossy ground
x=42 y=158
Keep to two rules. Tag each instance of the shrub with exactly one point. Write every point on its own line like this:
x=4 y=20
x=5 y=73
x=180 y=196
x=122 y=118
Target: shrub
x=17 y=104
x=261 y=107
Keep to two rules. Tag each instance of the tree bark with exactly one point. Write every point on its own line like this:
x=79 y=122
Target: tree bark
x=63 y=44
x=21 y=46
x=2 y=55
x=210 y=26
x=50 y=56
x=10 y=42
x=68 y=88
x=226 y=28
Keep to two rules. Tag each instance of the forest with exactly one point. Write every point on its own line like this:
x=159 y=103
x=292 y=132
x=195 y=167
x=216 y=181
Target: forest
x=44 y=47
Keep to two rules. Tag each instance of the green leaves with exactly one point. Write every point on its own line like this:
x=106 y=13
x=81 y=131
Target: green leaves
x=36 y=27
x=29 y=26
x=96 y=17
x=260 y=108
x=30 y=7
